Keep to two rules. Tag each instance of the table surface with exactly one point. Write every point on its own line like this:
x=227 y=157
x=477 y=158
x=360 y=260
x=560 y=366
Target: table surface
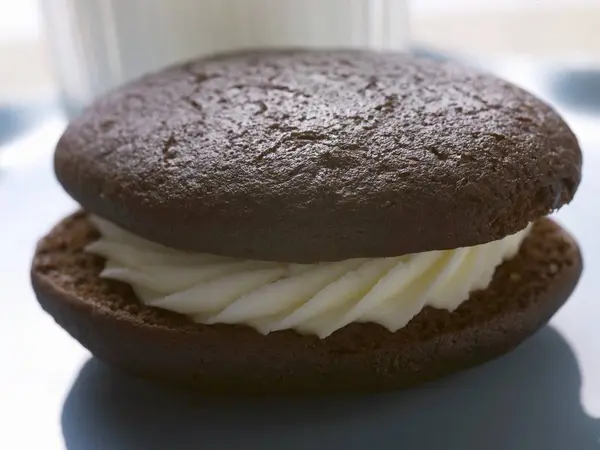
x=545 y=395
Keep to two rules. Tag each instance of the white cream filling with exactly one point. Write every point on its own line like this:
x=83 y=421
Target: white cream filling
x=311 y=298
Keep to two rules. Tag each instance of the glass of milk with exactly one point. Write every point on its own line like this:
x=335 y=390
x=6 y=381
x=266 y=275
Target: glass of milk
x=99 y=44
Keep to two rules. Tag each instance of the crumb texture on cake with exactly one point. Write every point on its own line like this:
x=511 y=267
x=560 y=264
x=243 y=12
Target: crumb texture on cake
x=307 y=156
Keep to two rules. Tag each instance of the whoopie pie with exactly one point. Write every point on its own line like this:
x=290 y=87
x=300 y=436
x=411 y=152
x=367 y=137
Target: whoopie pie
x=278 y=221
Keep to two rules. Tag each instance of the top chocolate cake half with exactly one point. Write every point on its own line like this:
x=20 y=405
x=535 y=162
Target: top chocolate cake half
x=309 y=156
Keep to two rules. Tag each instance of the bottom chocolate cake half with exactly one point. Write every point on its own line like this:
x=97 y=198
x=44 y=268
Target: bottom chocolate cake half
x=106 y=317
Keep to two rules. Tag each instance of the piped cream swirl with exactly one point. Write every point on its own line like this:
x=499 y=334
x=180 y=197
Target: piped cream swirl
x=310 y=298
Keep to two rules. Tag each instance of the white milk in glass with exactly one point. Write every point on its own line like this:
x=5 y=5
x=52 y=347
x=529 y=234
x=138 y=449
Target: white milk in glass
x=99 y=44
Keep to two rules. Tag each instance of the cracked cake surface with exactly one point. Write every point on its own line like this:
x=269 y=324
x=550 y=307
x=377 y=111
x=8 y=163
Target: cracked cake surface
x=309 y=156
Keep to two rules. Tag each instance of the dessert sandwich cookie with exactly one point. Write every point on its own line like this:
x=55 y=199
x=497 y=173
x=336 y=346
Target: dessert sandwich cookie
x=310 y=221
